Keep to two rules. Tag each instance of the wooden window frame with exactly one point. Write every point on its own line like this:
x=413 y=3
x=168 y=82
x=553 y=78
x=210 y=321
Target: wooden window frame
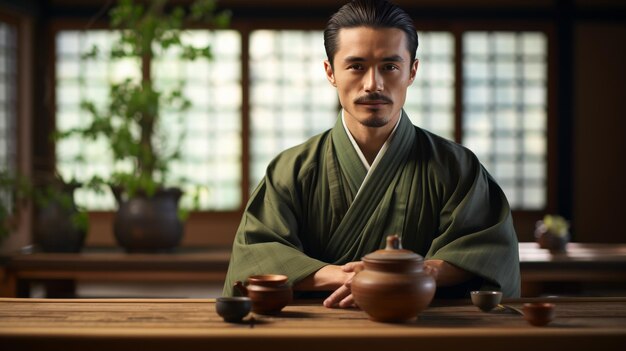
x=217 y=228
x=24 y=26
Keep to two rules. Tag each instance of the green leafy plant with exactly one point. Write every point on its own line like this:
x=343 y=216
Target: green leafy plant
x=556 y=225
x=130 y=122
x=16 y=190
x=13 y=191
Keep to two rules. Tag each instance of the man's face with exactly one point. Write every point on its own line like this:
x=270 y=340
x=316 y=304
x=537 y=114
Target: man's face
x=372 y=71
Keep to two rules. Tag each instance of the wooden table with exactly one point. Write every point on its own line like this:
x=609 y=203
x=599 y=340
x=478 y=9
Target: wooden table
x=177 y=324
x=205 y=265
x=582 y=263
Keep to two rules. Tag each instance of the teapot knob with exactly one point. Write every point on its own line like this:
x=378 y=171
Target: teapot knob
x=393 y=242
x=239 y=287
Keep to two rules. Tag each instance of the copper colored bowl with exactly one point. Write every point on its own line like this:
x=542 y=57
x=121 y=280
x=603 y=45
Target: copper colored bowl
x=539 y=313
x=269 y=292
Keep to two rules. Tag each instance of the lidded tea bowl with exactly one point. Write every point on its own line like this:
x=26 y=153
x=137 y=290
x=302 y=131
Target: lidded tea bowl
x=393 y=286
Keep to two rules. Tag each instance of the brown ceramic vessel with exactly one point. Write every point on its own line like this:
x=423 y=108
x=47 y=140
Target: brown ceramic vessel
x=550 y=241
x=269 y=292
x=539 y=313
x=393 y=286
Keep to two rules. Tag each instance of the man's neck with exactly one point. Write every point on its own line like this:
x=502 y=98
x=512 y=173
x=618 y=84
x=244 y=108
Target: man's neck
x=369 y=139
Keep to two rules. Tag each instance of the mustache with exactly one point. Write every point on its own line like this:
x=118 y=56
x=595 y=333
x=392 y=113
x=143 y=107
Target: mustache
x=372 y=97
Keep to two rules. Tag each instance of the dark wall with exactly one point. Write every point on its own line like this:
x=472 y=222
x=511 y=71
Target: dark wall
x=600 y=124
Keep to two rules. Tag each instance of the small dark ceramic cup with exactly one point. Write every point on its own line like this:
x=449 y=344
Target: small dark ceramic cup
x=486 y=300
x=233 y=309
x=539 y=313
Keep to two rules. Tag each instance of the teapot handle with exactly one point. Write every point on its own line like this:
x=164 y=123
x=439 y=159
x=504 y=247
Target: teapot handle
x=239 y=287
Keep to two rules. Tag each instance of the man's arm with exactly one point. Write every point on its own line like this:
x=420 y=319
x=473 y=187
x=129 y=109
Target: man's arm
x=332 y=277
x=446 y=274
x=329 y=277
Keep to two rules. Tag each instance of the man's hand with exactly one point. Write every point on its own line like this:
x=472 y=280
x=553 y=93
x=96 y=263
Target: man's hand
x=444 y=273
x=340 y=279
x=342 y=297
x=431 y=267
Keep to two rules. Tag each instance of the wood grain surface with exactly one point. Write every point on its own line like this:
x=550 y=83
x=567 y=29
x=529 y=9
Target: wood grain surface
x=124 y=324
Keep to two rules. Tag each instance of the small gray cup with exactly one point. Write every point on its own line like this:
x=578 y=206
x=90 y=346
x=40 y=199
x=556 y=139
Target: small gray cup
x=486 y=300
x=233 y=309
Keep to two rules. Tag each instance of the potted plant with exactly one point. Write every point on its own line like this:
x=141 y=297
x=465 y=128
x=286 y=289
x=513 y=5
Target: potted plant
x=13 y=192
x=148 y=216
x=552 y=233
x=59 y=226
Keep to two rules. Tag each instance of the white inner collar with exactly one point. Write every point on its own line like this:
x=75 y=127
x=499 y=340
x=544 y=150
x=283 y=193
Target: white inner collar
x=379 y=155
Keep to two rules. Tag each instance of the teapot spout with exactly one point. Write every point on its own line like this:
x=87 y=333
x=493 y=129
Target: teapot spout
x=240 y=288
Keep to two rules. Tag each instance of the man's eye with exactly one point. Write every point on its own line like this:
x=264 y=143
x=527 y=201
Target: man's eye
x=390 y=67
x=356 y=66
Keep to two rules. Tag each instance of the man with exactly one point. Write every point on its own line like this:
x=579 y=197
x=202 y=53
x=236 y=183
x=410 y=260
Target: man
x=328 y=202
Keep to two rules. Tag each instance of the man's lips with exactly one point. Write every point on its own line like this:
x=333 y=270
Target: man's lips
x=373 y=102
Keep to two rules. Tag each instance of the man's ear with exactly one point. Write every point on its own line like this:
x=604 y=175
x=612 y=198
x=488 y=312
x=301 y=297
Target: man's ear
x=413 y=71
x=329 y=73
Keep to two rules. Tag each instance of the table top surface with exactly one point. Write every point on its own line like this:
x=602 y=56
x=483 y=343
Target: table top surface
x=576 y=252
x=43 y=323
x=529 y=253
x=188 y=260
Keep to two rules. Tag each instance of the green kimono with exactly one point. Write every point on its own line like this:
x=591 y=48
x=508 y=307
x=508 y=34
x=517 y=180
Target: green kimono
x=432 y=192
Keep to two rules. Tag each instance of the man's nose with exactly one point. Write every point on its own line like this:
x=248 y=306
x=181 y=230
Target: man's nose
x=373 y=80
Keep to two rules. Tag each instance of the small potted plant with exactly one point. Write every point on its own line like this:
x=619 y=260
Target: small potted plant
x=13 y=192
x=552 y=233
x=148 y=216
x=58 y=226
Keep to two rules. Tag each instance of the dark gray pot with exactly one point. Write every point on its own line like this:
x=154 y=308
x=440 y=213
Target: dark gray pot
x=54 y=230
x=148 y=224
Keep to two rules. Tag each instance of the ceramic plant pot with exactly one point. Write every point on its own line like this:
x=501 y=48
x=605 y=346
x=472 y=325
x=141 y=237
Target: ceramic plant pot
x=54 y=228
x=148 y=224
x=546 y=239
x=393 y=286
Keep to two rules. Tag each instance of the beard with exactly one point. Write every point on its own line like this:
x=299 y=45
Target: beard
x=376 y=121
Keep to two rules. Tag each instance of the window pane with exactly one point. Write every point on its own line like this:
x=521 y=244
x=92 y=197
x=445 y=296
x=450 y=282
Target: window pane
x=504 y=110
x=291 y=100
x=210 y=132
x=8 y=105
x=430 y=99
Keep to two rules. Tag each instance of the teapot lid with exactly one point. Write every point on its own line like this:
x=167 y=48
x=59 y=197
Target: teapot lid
x=393 y=252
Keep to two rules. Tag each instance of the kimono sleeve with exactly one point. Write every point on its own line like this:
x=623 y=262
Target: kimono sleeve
x=267 y=239
x=476 y=230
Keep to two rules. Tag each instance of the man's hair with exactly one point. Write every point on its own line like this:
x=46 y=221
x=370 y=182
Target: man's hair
x=369 y=13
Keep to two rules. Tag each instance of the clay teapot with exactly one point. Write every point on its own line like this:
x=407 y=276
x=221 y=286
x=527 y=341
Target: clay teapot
x=393 y=286
x=269 y=292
